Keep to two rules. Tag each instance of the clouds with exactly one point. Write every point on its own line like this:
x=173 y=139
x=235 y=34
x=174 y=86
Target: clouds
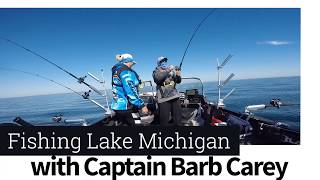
x=274 y=43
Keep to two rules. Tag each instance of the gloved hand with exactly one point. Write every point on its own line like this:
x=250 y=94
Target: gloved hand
x=172 y=73
x=178 y=73
x=145 y=110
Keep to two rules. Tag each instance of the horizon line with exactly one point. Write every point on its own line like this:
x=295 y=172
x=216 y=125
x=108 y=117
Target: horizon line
x=206 y=81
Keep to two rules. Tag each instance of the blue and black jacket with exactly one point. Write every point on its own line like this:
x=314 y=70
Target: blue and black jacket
x=125 y=82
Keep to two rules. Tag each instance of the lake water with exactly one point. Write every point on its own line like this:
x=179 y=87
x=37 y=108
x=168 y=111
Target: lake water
x=40 y=109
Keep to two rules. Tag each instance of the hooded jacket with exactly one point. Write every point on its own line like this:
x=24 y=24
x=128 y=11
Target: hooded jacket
x=125 y=82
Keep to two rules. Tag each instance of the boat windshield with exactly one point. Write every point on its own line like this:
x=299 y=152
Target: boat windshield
x=146 y=87
x=189 y=84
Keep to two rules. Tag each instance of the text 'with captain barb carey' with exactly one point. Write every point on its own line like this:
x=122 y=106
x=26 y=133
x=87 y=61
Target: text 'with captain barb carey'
x=97 y=167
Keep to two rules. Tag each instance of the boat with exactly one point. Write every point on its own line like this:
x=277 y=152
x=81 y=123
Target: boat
x=196 y=109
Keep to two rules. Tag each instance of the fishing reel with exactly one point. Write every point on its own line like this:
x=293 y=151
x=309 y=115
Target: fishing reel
x=173 y=70
x=276 y=103
x=57 y=118
x=86 y=95
x=81 y=79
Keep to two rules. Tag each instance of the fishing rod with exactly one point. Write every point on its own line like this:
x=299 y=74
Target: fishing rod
x=84 y=96
x=274 y=103
x=193 y=35
x=79 y=79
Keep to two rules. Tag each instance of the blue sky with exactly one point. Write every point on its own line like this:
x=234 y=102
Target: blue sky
x=264 y=42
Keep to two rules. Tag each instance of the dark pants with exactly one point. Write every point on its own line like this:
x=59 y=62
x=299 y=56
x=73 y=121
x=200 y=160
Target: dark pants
x=125 y=117
x=172 y=107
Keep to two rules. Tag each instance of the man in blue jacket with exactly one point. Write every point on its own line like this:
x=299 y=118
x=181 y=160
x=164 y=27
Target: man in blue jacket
x=125 y=82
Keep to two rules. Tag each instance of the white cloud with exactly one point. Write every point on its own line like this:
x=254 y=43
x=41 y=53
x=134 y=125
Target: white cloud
x=274 y=43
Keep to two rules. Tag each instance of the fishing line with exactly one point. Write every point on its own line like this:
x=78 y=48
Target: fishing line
x=85 y=96
x=79 y=79
x=39 y=76
x=193 y=35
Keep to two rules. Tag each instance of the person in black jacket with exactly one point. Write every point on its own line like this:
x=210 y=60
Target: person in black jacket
x=166 y=78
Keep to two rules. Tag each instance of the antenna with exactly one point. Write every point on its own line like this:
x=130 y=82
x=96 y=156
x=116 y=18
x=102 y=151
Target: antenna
x=221 y=85
x=225 y=61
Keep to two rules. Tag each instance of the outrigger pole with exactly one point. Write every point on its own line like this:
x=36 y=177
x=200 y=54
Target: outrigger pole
x=193 y=34
x=85 y=95
x=79 y=79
